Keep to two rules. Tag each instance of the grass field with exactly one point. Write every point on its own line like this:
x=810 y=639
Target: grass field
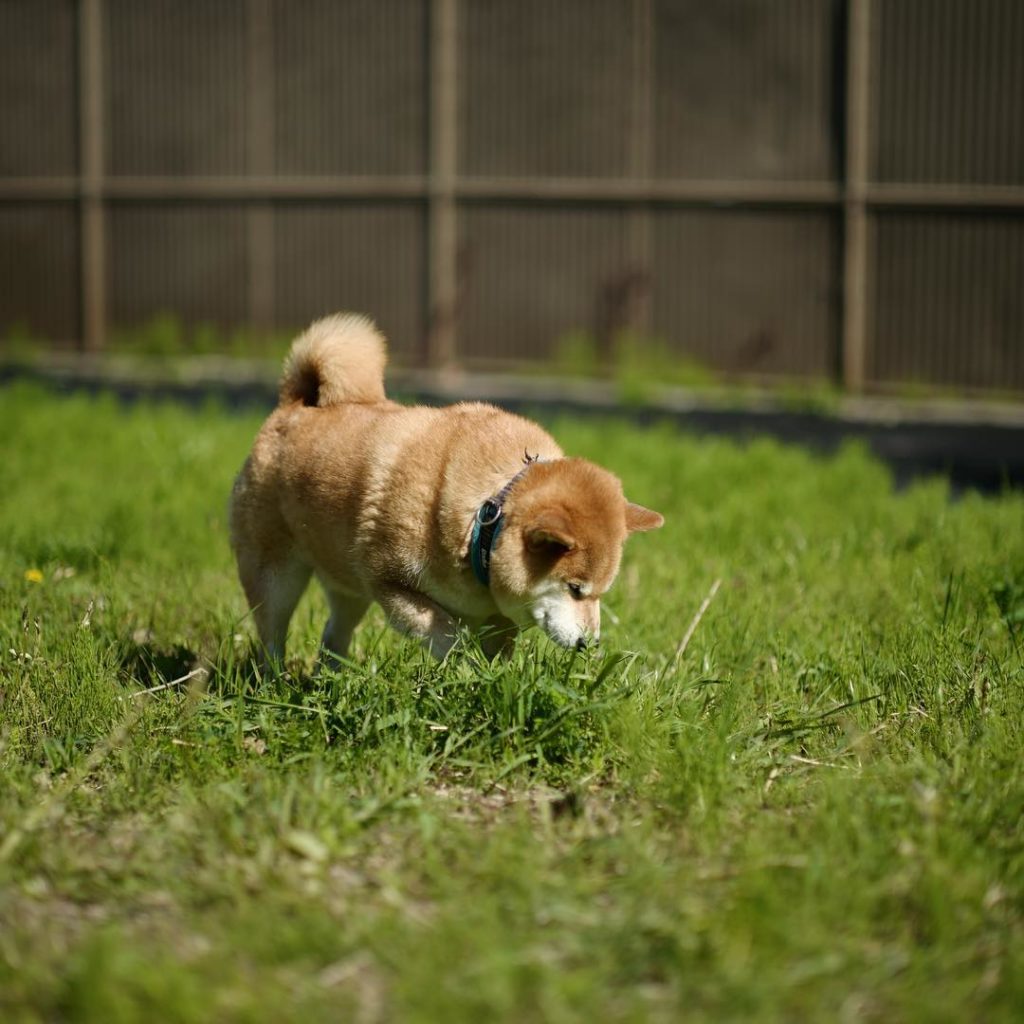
x=813 y=812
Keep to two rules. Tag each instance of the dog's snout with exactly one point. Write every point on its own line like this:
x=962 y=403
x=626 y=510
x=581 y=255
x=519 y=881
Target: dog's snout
x=581 y=644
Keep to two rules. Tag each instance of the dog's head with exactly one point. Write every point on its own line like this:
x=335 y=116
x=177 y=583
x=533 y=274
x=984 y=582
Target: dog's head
x=559 y=551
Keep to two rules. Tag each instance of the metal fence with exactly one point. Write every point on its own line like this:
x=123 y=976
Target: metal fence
x=811 y=188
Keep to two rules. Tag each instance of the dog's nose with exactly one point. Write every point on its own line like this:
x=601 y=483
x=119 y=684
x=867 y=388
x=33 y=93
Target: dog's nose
x=581 y=644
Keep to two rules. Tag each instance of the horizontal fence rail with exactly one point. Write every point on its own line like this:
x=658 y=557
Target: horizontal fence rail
x=808 y=188
x=706 y=193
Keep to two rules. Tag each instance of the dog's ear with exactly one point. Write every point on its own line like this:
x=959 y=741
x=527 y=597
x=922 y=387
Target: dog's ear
x=639 y=518
x=550 y=531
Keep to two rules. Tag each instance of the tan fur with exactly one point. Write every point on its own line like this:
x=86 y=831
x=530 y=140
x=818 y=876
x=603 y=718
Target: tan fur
x=340 y=358
x=378 y=499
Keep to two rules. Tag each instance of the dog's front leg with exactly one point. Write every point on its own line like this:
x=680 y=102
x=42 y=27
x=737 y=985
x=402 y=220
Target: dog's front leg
x=414 y=614
x=498 y=636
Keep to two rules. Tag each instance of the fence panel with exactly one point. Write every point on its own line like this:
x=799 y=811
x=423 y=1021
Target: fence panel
x=948 y=300
x=532 y=275
x=37 y=88
x=946 y=306
x=948 y=106
x=746 y=89
x=175 y=76
x=186 y=260
x=350 y=87
x=749 y=292
x=545 y=88
x=362 y=256
x=39 y=287
x=39 y=269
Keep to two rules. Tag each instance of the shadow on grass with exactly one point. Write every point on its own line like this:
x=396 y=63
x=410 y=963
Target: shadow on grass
x=541 y=706
x=150 y=664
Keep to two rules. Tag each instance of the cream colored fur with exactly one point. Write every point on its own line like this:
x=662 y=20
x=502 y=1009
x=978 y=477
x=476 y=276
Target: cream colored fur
x=377 y=500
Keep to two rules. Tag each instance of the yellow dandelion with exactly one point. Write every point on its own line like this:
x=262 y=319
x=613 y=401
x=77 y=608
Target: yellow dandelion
x=33 y=576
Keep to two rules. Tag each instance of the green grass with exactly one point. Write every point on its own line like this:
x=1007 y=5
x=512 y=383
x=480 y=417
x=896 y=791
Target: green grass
x=815 y=812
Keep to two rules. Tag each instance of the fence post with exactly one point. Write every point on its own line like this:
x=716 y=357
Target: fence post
x=855 y=214
x=260 y=161
x=639 y=167
x=442 y=286
x=92 y=212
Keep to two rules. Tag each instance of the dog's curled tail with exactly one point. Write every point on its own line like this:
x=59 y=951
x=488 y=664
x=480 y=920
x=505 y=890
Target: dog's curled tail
x=337 y=359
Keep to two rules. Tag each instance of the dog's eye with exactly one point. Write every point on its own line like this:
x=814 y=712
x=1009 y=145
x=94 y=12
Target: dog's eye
x=576 y=589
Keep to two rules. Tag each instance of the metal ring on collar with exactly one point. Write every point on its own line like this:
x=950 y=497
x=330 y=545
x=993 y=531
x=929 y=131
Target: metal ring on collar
x=491 y=519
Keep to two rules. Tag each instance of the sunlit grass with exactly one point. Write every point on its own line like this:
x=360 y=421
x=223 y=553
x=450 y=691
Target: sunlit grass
x=815 y=811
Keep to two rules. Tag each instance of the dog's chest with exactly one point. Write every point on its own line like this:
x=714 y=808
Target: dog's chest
x=458 y=594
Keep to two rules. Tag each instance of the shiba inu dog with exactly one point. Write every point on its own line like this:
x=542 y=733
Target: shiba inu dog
x=465 y=515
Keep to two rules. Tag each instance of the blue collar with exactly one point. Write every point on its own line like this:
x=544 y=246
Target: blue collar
x=488 y=523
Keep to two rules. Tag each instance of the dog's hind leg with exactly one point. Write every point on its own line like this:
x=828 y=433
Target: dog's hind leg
x=273 y=590
x=346 y=611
